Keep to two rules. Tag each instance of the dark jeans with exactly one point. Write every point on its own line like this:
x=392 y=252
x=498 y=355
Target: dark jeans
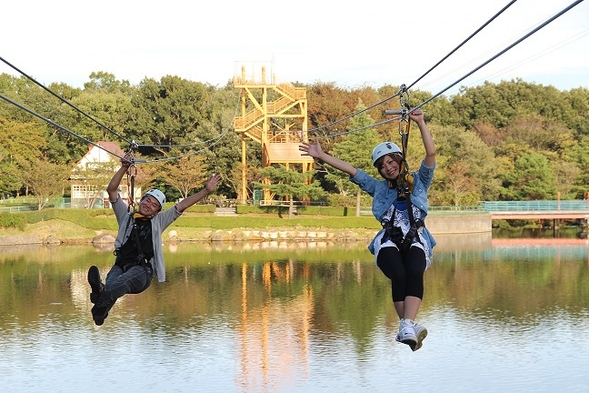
x=118 y=283
x=405 y=270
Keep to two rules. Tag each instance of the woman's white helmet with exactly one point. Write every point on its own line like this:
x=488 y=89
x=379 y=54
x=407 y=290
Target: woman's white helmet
x=158 y=195
x=383 y=149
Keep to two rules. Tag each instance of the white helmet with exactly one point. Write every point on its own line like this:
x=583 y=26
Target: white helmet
x=158 y=195
x=383 y=149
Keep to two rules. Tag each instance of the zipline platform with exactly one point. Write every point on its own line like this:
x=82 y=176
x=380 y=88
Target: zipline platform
x=286 y=152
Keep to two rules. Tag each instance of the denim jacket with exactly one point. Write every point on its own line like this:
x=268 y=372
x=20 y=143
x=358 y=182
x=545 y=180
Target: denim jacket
x=383 y=197
x=158 y=224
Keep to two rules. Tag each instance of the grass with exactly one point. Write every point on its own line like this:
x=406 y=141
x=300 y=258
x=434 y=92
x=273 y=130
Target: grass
x=75 y=224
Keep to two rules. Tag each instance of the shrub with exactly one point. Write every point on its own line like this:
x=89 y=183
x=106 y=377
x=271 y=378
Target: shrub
x=9 y=220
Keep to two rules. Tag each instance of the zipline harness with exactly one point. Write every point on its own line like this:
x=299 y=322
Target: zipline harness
x=131 y=174
x=405 y=179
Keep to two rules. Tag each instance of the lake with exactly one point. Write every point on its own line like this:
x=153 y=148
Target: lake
x=502 y=314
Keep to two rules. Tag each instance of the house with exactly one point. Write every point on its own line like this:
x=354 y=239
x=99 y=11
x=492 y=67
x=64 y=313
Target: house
x=92 y=173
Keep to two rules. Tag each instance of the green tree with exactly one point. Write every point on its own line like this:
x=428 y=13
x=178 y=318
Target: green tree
x=170 y=112
x=478 y=166
x=531 y=179
x=45 y=179
x=186 y=174
x=288 y=184
x=355 y=148
x=18 y=141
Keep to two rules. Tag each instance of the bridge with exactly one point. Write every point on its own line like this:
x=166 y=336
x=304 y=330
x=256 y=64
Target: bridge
x=532 y=210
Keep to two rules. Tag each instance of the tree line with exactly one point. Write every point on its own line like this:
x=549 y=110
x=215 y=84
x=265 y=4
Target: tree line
x=513 y=140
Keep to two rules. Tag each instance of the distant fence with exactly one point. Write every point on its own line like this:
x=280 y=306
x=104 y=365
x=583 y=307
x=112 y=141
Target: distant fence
x=534 y=206
x=538 y=210
x=499 y=209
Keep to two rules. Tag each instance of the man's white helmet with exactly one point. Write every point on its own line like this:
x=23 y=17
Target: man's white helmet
x=383 y=149
x=158 y=195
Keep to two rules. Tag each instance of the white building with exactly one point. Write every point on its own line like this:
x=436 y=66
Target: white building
x=92 y=174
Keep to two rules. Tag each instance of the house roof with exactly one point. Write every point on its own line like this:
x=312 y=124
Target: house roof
x=93 y=153
x=112 y=148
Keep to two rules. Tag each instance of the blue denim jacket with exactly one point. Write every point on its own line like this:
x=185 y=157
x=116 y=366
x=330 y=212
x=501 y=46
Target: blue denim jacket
x=383 y=197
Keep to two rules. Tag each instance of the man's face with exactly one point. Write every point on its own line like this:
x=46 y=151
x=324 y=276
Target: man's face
x=149 y=206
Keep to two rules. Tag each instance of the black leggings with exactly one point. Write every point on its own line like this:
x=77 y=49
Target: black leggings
x=404 y=270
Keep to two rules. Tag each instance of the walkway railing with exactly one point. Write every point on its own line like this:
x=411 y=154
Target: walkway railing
x=537 y=206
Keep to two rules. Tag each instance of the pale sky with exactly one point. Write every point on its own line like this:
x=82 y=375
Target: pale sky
x=370 y=42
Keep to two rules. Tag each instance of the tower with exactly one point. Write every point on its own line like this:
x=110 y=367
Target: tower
x=274 y=115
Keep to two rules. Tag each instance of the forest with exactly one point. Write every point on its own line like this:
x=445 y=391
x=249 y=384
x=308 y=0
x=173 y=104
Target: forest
x=513 y=140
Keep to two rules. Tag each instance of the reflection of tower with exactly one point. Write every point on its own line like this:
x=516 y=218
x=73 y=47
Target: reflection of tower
x=274 y=336
x=274 y=115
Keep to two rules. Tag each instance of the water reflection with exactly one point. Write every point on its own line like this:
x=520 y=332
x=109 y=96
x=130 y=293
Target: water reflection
x=276 y=317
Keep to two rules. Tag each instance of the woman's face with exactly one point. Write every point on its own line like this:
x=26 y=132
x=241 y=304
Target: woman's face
x=389 y=168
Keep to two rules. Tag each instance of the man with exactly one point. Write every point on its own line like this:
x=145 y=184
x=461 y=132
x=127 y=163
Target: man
x=138 y=246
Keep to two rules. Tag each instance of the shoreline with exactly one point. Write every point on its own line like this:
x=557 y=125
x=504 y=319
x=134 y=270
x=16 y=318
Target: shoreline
x=51 y=233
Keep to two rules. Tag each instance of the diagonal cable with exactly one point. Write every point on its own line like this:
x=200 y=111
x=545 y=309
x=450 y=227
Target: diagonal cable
x=544 y=24
x=24 y=108
x=64 y=100
x=463 y=42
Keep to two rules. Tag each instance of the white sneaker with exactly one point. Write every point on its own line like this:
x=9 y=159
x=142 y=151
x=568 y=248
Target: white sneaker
x=421 y=333
x=407 y=334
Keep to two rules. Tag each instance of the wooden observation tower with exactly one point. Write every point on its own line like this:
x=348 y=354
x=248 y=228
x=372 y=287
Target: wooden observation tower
x=274 y=115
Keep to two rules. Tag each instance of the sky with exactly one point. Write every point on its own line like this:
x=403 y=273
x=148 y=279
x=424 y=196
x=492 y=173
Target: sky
x=350 y=44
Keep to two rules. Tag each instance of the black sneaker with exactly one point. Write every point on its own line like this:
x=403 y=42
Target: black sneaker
x=95 y=284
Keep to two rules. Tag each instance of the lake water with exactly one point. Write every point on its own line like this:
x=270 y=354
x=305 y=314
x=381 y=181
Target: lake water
x=502 y=314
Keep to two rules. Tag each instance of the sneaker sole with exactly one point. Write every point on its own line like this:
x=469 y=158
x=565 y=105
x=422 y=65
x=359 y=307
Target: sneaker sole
x=412 y=343
x=420 y=338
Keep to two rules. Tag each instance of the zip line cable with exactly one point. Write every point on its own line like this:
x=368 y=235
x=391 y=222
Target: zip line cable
x=64 y=100
x=535 y=30
x=94 y=119
x=543 y=53
x=462 y=43
x=417 y=80
x=353 y=114
x=54 y=124
x=403 y=113
x=132 y=143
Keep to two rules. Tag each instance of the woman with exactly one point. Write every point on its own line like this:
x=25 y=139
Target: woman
x=403 y=248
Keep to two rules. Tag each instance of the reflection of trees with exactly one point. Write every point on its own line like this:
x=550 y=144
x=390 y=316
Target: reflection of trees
x=506 y=280
x=281 y=304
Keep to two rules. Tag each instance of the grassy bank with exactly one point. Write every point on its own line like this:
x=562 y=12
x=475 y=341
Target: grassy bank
x=83 y=224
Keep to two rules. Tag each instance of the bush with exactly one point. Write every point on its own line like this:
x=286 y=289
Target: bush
x=10 y=220
x=199 y=208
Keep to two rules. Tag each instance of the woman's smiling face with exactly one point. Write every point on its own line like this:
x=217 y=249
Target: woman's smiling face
x=389 y=168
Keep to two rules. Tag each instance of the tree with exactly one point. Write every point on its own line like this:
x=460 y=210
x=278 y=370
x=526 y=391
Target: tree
x=355 y=148
x=45 y=178
x=288 y=184
x=18 y=142
x=477 y=164
x=170 y=112
x=463 y=189
x=186 y=174
x=531 y=179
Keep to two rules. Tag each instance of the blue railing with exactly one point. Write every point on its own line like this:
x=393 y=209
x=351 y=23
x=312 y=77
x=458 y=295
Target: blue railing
x=537 y=206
